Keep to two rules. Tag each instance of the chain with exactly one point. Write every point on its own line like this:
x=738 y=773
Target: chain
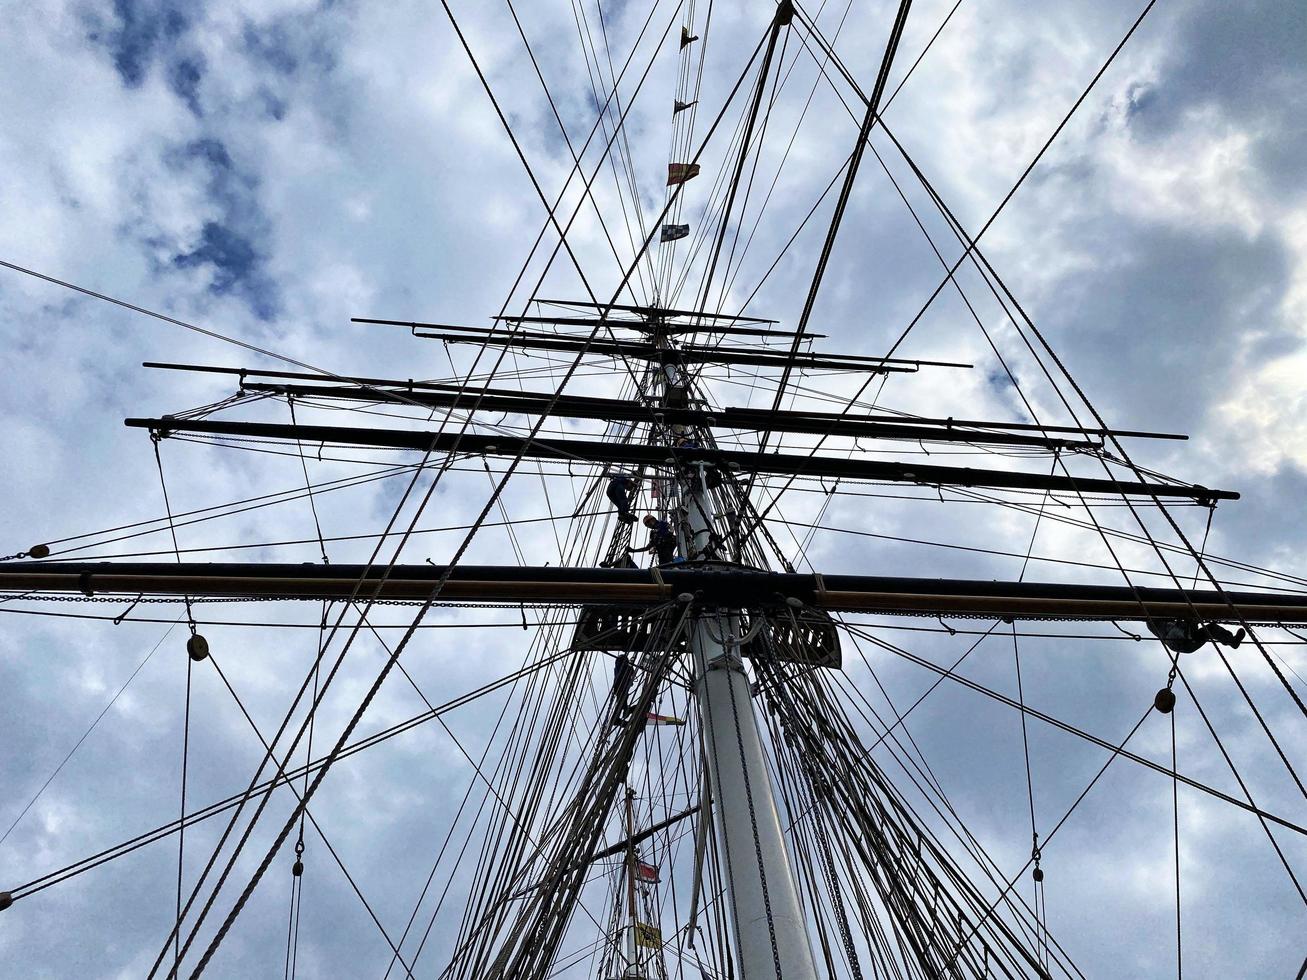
x=828 y=872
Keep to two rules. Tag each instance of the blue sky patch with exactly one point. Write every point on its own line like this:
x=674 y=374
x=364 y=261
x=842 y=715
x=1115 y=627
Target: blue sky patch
x=142 y=31
x=270 y=45
x=237 y=267
x=184 y=76
x=232 y=246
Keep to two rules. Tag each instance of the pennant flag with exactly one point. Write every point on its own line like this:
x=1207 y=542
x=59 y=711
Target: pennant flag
x=654 y=719
x=679 y=173
x=646 y=872
x=647 y=935
x=679 y=106
x=671 y=233
x=686 y=37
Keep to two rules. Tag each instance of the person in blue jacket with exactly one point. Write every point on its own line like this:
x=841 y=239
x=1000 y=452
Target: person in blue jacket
x=662 y=540
x=621 y=489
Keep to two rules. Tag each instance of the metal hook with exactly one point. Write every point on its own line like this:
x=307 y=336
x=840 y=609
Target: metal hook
x=117 y=620
x=1133 y=636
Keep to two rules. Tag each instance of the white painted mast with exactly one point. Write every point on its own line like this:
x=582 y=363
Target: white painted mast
x=771 y=936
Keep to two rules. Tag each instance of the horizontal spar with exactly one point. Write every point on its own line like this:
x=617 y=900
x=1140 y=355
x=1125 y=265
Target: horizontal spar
x=655 y=311
x=712 y=584
x=533 y=403
x=636 y=455
x=409 y=384
x=406 y=384
x=641 y=351
x=656 y=326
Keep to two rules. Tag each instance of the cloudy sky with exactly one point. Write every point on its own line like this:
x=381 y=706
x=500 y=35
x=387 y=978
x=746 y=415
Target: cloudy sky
x=267 y=171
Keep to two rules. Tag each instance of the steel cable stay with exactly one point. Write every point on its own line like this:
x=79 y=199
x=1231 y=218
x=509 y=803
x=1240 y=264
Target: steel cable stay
x=949 y=674
x=531 y=941
x=197 y=649
x=681 y=138
x=888 y=731
x=563 y=129
x=626 y=149
x=1264 y=818
x=972 y=252
x=839 y=27
x=477 y=769
x=91 y=728
x=313 y=673
x=1199 y=559
x=893 y=889
x=235 y=910
x=240 y=902
x=780 y=20
x=516 y=819
x=924 y=780
x=872 y=116
x=502 y=802
x=213 y=809
x=722 y=186
x=188 y=326
x=288 y=781
x=1098 y=775
x=1188 y=547
x=969 y=842
x=841 y=203
x=730 y=277
x=987 y=271
x=504 y=766
x=448 y=838
x=618 y=143
x=953 y=546
x=391 y=661
x=710 y=215
x=297 y=869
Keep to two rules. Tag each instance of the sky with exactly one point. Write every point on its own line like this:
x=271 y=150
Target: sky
x=267 y=171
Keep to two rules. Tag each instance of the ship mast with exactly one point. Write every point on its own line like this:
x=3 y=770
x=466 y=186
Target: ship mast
x=770 y=930
x=746 y=639
x=632 y=911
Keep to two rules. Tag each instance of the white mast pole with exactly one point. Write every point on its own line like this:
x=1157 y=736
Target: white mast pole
x=771 y=937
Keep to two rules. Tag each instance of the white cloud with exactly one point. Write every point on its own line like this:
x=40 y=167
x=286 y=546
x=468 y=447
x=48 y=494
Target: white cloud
x=374 y=179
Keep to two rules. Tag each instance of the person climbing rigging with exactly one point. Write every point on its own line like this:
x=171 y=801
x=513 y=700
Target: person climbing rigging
x=1187 y=635
x=662 y=540
x=676 y=395
x=623 y=673
x=682 y=438
x=621 y=488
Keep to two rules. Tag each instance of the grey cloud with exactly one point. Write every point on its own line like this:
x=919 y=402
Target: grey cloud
x=1247 y=59
x=1172 y=308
